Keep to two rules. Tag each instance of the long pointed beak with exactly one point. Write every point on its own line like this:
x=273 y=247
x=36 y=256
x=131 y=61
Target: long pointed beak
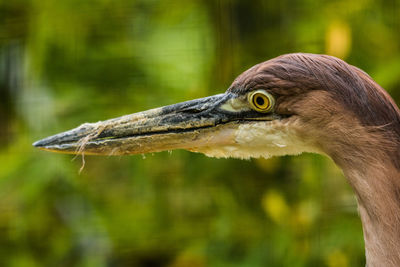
x=188 y=125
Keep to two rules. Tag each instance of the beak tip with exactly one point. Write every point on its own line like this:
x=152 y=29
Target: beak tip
x=46 y=144
x=42 y=143
x=38 y=144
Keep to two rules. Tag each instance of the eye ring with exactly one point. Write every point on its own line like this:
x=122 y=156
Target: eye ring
x=261 y=101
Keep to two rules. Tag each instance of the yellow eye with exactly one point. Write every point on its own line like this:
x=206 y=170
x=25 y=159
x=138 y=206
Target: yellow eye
x=261 y=101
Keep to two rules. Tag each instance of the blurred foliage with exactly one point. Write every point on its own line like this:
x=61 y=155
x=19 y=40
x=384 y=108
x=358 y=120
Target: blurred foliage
x=66 y=62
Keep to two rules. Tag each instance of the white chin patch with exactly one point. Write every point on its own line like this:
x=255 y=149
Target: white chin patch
x=260 y=139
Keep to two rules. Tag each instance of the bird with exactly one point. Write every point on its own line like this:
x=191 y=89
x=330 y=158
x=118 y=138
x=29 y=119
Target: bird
x=287 y=105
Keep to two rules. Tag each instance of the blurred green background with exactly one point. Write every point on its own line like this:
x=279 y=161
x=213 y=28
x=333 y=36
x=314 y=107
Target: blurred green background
x=66 y=62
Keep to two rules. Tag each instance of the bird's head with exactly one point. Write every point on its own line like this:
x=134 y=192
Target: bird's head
x=288 y=105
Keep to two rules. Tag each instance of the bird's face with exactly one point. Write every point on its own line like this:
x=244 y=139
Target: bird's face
x=264 y=113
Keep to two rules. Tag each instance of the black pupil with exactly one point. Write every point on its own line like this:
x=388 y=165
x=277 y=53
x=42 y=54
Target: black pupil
x=260 y=101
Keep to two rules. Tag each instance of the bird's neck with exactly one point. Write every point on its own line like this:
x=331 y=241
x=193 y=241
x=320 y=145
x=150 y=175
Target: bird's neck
x=376 y=182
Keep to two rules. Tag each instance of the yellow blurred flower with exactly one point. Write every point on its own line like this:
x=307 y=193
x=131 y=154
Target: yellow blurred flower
x=275 y=206
x=338 y=39
x=336 y=259
x=305 y=214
